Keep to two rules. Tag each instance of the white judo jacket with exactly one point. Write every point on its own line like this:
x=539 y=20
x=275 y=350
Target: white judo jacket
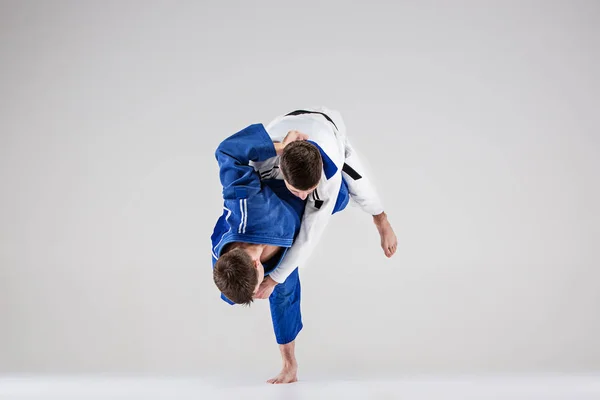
x=326 y=128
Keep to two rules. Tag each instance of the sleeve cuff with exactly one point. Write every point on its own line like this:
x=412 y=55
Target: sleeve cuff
x=277 y=276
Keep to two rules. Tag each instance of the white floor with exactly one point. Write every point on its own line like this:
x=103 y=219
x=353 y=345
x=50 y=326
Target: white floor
x=464 y=388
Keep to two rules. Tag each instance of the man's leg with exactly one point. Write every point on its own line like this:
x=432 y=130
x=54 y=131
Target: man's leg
x=287 y=323
x=289 y=371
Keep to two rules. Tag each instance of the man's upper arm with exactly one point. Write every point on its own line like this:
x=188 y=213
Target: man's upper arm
x=234 y=154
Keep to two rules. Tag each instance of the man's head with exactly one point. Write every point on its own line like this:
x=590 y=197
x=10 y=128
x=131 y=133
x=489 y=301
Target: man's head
x=238 y=275
x=302 y=166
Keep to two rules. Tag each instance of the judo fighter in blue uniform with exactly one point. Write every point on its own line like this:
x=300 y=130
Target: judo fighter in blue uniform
x=279 y=191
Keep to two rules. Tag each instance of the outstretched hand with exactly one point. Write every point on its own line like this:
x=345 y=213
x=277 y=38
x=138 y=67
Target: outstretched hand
x=389 y=242
x=266 y=288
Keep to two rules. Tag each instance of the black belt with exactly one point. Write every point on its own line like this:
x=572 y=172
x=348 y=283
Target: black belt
x=300 y=112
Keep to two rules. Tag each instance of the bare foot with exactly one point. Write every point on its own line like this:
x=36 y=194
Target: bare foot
x=389 y=242
x=287 y=375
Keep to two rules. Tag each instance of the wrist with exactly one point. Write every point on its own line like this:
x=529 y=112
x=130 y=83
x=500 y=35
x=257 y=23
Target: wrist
x=379 y=218
x=278 y=148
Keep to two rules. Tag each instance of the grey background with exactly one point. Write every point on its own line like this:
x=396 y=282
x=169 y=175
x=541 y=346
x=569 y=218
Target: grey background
x=479 y=121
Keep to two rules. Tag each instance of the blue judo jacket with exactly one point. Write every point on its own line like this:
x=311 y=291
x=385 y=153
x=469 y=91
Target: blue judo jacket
x=253 y=211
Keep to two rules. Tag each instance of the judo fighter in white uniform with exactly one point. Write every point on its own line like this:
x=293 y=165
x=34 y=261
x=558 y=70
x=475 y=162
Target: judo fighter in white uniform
x=279 y=187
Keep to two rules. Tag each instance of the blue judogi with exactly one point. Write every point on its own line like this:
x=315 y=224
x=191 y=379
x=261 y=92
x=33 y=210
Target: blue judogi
x=259 y=212
x=263 y=212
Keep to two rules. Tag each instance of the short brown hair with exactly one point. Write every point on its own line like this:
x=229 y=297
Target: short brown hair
x=235 y=276
x=301 y=164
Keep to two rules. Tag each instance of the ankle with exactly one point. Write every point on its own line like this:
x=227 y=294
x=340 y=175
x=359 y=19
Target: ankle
x=290 y=364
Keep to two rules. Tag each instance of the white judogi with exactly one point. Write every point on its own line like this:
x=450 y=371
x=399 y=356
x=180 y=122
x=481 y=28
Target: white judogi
x=332 y=139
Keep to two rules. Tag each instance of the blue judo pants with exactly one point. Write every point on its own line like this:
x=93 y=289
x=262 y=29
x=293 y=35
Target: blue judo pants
x=285 y=299
x=285 y=309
